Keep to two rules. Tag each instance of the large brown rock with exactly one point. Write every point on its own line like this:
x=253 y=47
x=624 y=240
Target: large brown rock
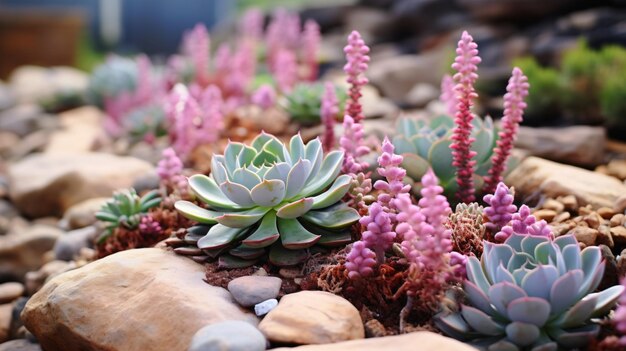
x=23 y=251
x=48 y=184
x=312 y=317
x=80 y=130
x=554 y=179
x=580 y=145
x=136 y=300
x=418 y=341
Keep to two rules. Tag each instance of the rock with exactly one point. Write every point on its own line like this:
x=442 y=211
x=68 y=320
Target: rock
x=617 y=169
x=16 y=323
x=228 y=336
x=606 y=212
x=80 y=130
x=35 y=84
x=34 y=142
x=83 y=213
x=396 y=76
x=5 y=321
x=21 y=252
x=620 y=204
x=251 y=290
x=374 y=329
x=421 y=94
x=7 y=98
x=579 y=145
x=263 y=308
x=569 y=202
x=22 y=119
x=605 y=237
x=552 y=179
x=369 y=22
x=617 y=220
x=585 y=235
x=619 y=235
x=19 y=345
x=106 y=304
x=68 y=246
x=422 y=340
x=312 y=317
x=8 y=141
x=36 y=279
x=547 y=215
x=554 y=205
x=374 y=105
x=69 y=179
x=10 y=291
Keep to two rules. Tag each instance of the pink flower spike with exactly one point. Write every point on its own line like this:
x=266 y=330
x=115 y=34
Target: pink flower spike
x=514 y=106
x=183 y=110
x=501 y=209
x=520 y=223
x=264 y=97
x=311 y=39
x=390 y=168
x=197 y=45
x=351 y=143
x=619 y=317
x=357 y=61
x=360 y=261
x=212 y=117
x=285 y=70
x=448 y=95
x=251 y=24
x=328 y=114
x=378 y=234
x=541 y=228
x=169 y=166
x=148 y=226
x=466 y=66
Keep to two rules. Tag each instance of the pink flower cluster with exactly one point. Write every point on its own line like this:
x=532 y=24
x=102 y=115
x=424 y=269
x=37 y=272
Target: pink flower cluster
x=264 y=97
x=619 y=318
x=514 y=106
x=448 y=95
x=329 y=110
x=466 y=66
x=352 y=145
x=311 y=39
x=170 y=171
x=357 y=61
x=379 y=234
x=197 y=46
x=149 y=226
x=392 y=186
x=504 y=220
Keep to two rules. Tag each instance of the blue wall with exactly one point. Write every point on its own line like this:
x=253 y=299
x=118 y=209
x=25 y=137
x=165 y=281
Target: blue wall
x=151 y=26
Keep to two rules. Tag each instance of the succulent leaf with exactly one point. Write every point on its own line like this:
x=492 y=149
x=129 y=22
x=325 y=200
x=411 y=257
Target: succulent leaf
x=196 y=213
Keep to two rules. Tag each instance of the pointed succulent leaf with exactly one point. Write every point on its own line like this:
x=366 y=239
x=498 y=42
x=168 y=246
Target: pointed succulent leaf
x=476 y=275
x=296 y=148
x=295 y=209
x=503 y=275
x=606 y=300
x=402 y=145
x=539 y=281
x=575 y=338
x=246 y=253
x=145 y=206
x=440 y=158
x=531 y=310
x=478 y=298
x=572 y=257
x=331 y=166
x=522 y=334
x=453 y=325
x=530 y=242
x=219 y=236
x=561 y=292
x=196 y=213
x=333 y=239
x=281 y=256
x=480 y=321
x=264 y=157
x=578 y=314
x=422 y=144
x=406 y=126
x=445 y=121
x=515 y=241
x=245 y=156
x=275 y=147
x=230 y=155
x=242 y=219
x=246 y=178
x=334 y=194
x=297 y=178
x=233 y=262
x=502 y=294
x=415 y=166
x=565 y=240
x=218 y=171
x=260 y=140
x=294 y=236
x=237 y=193
x=106 y=216
x=266 y=234
x=334 y=217
x=278 y=171
x=591 y=259
x=268 y=193
x=483 y=145
x=207 y=190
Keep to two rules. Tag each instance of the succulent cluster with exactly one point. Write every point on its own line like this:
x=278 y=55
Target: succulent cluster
x=126 y=210
x=270 y=195
x=532 y=293
x=304 y=102
x=426 y=144
x=114 y=77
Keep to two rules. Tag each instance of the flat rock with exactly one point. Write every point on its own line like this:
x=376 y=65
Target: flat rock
x=228 y=336
x=418 y=341
x=22 y=119
x=69 y=179
x=580 y=145
x=135 y=300
x=80 y=131
x=312 y=317
x=83 y=214
x=554 y=179
x=10 y=291
x=34 y=83
x=68 y=246
x=251 y=290
x=23 y=251
x=19 y=345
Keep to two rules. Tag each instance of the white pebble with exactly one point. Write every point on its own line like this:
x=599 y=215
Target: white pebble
x=265 y=307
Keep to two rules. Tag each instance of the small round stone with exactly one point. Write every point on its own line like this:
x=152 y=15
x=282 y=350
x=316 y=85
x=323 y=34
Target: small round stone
x=251 y=290
x=10 y=291
x=230 y=336
x=265 y=307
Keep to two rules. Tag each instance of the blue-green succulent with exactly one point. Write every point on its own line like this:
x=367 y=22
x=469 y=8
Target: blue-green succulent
x=269 y=195
x=532 y=293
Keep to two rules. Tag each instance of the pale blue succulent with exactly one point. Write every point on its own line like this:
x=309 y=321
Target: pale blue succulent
x=532 y=293
x=268 y=195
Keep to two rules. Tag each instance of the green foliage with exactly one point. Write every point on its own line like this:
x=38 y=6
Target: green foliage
x=613 y=98
x=126 y=209
x=544 y=99
x=532 y=293
x=304 y=101
x=268 y=195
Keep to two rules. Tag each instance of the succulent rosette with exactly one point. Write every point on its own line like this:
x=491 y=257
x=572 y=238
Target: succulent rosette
x=532 y=293
x=270 y=195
